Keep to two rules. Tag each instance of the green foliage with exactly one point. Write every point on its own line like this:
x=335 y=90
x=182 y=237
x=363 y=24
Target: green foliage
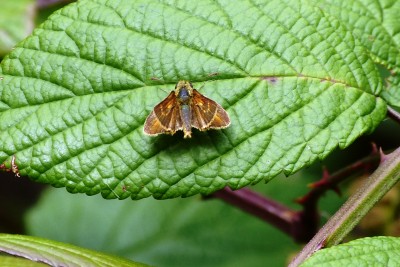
x=75 y=94
x=11 y=261
x=370 y=251
x=58 y=254
x=16 y=22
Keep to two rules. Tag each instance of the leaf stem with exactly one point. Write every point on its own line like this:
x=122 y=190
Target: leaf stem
x=355 y=208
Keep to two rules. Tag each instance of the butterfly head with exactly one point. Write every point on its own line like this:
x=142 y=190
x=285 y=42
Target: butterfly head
x=184 y=91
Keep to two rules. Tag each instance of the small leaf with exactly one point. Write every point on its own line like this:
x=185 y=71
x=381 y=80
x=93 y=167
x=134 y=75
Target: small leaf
x=75 y=94
x=56 y=253
x=16 y=22
x=370 y=251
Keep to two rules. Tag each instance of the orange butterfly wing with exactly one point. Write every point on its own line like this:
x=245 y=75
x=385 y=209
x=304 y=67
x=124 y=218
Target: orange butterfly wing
x=165 y=117
x=207 y=114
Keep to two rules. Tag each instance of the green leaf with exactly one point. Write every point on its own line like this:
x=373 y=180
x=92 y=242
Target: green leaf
x=370 y=251
x=11 y=261
x=176 y=232
x=56 y=253
x=375 y=23
x=16 y=22
x=76 y=93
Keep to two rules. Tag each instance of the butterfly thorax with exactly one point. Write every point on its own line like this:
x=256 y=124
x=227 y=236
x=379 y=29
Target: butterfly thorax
x=184 y=92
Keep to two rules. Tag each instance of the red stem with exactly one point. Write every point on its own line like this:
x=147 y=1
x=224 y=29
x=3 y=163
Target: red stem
x=301 y=225
x=287 y=220
x=365 y=165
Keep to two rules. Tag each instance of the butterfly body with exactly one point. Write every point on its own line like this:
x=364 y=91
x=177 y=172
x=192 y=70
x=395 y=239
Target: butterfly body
x=183 y=109
x=184 y=97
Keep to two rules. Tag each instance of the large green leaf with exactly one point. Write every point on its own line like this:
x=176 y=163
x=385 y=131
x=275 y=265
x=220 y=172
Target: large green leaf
x=375 y=251
x=16 y=22
x=75 y=94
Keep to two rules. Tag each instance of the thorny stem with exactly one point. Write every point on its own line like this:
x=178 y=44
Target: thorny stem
x=310 y=200
x=393 y=114
x=280 y=216
x=301 y=225
x=355 y=208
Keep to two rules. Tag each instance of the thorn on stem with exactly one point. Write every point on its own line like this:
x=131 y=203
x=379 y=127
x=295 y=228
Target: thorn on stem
x=301 y=200
x=382 y=155
x=374 y=149
x=324 y=181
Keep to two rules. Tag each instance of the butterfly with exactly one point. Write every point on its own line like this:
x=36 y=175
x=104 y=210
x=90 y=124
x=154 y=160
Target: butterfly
x=183 y=109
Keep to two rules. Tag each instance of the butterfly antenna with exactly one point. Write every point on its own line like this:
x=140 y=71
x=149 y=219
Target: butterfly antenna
x=112 y=190
x=213 y=74
x=209 y=75
x=159 y=80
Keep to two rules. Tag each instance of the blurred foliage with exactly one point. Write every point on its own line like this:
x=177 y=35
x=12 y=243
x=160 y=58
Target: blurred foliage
x=16 y=22
x=178 y=232
x=19 y=18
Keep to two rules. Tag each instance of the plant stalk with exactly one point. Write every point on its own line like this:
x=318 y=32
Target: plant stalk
x=355 y=208
x=393 y=114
